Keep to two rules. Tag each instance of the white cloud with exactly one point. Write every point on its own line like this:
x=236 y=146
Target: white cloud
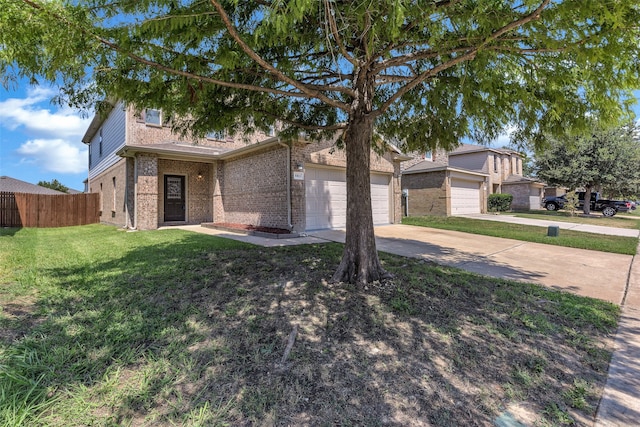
x=504 y=139
x=54 y=155
x=38 y=118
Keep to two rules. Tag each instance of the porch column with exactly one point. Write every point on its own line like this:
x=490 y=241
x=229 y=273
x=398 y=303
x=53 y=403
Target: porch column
x=147 y=192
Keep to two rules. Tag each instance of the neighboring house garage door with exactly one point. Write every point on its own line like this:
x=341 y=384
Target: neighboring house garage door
x=465 y=197
x=326 y=198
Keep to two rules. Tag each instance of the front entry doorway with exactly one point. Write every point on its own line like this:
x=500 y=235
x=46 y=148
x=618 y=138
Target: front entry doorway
x=174 y=198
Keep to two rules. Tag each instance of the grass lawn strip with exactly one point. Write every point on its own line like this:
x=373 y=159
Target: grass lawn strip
x=623 y=220
x=166 y=328
x=530 y=233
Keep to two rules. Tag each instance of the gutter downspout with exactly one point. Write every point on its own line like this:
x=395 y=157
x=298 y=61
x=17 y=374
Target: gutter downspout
x=288 y=183
x=135 y=192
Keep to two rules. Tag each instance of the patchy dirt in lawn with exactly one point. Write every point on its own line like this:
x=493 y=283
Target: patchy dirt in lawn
x=17 y=317
x=249 y=227
x=433 y=347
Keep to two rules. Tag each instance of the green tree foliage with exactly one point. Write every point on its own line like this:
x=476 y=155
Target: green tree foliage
x=424 y=73
x=54 y=184
x=604 y=158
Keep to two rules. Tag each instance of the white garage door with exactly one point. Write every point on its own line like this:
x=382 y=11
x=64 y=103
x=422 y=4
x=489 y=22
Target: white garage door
x=326 y=198
x=465 y=197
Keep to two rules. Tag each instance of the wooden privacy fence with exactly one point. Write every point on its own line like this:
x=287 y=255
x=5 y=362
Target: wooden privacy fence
x=46 y=210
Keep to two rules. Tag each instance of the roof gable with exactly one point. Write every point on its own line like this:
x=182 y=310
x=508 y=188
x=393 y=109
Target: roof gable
x=471 y=148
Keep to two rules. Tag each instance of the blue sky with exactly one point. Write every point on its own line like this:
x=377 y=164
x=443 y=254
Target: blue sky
x=40 y=141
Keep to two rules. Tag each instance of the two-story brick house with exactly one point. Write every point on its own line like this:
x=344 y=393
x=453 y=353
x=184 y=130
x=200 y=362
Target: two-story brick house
x=460 y=181
x=148 y=176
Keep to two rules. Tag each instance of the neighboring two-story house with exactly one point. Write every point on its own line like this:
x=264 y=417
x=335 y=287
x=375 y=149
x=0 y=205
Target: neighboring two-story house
x=459 y=182
x=148 y=177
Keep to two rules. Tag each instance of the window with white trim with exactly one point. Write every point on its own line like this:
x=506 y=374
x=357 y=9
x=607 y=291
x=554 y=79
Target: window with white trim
x=153 y=117
x=114 y=194
x=271 y=131
x=218 y=135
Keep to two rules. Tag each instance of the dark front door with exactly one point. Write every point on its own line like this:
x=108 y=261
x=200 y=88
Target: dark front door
x=174 y=198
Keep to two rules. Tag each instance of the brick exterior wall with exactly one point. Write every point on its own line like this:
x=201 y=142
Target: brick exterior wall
x=252 y=189
x=130 y=192
x=147 y=187
x=428 y=193
x=112 y=201
x=139 y=132
x=218 y=183
x=249 y=189
x=554 y=191
x=521 y=193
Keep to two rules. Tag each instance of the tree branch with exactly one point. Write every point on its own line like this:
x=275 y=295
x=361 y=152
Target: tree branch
x=115 y=47
x=410 y=25
x=469 y=55
x=311 y=93
x=336 y=127
x=416 y=56
x=389 y=78
x=336 y=35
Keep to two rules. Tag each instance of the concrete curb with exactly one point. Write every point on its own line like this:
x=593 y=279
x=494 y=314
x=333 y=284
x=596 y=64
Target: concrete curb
x=620 y=403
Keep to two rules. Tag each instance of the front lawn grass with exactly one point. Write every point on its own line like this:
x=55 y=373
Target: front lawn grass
x=529 y=233
x=103 y=327
x=621 y=220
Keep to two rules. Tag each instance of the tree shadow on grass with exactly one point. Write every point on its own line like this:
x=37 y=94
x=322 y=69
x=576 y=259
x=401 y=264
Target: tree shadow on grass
x=192 y=331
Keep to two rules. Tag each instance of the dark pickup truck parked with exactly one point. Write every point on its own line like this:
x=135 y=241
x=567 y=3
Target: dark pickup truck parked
x=607 y=207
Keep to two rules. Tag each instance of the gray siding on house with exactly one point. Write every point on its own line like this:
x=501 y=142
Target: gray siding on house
x=471 y=161
x=113 y=138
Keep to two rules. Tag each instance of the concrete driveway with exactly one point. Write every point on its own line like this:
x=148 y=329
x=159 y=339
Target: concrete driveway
x=588 y=273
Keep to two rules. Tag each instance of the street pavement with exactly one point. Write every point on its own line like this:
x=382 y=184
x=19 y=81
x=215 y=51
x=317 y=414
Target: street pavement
x=610 y=277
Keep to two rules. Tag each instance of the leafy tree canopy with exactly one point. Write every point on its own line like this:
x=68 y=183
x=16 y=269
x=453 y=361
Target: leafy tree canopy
x=602 y=158
x=54 y=185
x=424 y=73
x=436 y=71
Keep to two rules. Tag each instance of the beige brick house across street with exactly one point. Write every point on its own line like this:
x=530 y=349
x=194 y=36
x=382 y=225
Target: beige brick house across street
x=148 y=177
x=460 y=182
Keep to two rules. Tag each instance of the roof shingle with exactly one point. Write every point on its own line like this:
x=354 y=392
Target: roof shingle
x=17 y=186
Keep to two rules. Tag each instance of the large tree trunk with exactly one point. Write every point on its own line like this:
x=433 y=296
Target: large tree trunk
x=586 y=205
x=360 y=262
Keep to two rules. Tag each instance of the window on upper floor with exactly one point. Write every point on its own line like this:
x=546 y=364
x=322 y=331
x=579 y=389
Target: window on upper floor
x=153 y=117
x=271 y=131
x=114 y=194
x=218 y=135
x=100 y=143
x=496 y=163
x=428 y=155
